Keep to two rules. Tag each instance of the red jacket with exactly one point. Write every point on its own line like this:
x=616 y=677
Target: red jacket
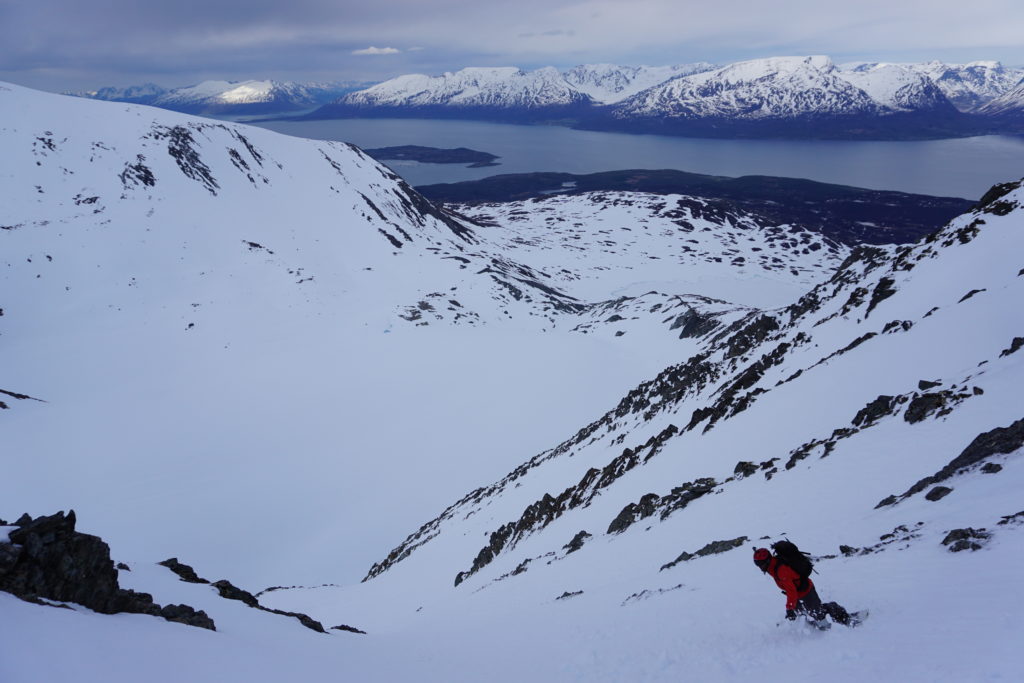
x=790 y=582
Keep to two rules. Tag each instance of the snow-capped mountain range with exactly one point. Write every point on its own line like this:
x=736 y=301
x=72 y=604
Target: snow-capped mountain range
x=969 y=86
x=229 y=97
x=273 y=359
x=1009 y=105
x=788 y=96
x=740 y=98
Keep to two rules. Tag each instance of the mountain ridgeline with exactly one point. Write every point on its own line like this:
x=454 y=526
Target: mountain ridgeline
x=788 y=97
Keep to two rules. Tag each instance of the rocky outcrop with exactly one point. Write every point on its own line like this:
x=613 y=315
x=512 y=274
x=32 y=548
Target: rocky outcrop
x=12 y=394
x=999 y=441
x=577 y=542
x=230 y=591
x=46 y=559
x=713 y=548
x=184 y=572
x=958 y=540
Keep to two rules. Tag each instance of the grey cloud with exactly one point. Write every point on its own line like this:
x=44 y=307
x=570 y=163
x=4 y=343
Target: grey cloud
x=256 y=37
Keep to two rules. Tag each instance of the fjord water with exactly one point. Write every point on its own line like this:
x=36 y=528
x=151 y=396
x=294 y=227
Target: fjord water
x=961 y=167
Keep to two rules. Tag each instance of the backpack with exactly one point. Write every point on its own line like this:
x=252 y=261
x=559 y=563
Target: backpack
x=788 y=554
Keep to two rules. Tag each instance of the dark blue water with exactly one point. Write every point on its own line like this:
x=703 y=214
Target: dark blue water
x=963 y=167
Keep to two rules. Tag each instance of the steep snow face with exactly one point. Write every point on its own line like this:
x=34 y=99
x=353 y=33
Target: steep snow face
x=838 y=415
x=970 y=86
x=610 y=83
x=898 y=87
x=779 y=87
x=503 y=87
x=1009 y=104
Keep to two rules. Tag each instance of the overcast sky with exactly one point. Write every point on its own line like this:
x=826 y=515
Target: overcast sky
x=85 y=44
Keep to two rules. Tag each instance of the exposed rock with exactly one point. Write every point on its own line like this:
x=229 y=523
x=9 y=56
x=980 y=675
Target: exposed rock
x=183 y=614
x=566 y=595
x=938 y=493
x=577 y=542
x=47 y=558
x=883 y=290
x=1017 y=518
x=744 y=468
x=965 y=539
x=900 y=535
x=1000 y=440
x=346 y=627
x=184 y=572
x=995 y=193
x=1014 y=347
x=713 y=548
x=634 y=512
x=645 y=594
x=694 y=324
x=922 y=406
x=304 y=619
x=875 y=410
x=751 y=335
x=969 y=294
x=888 y=500
x=121 y=566
x=549 y=508
x=991 y=468
x=231 y=592
x=925 y=385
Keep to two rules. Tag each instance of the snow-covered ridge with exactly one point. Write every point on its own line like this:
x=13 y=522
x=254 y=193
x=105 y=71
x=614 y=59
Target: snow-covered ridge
x=226 y=97
x=768 y=96
x=610 y=83
x=898 y=88
x=1010 y=104
x=500 y=87
x=780 y=87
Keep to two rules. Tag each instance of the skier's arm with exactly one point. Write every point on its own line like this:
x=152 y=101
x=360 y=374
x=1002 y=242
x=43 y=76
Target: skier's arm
x=787 y=581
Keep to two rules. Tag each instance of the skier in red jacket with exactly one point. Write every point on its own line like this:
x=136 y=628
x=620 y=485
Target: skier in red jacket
x=801 y=596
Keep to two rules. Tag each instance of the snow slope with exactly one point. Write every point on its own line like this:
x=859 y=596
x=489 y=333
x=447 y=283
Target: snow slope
x=275 y=433
x=971 y=86
x=147 y=252
x=778 y=87
x=500 y=87
x=217 y=97
x=1008 y=105
x=610 y=83
x=897 y=87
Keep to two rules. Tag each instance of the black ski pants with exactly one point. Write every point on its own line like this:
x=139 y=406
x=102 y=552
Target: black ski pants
x=811 y=604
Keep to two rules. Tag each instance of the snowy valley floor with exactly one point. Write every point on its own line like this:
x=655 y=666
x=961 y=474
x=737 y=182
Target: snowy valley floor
x=934 y=617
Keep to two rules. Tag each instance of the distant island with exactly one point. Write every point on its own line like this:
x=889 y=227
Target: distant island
x=434 y=155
